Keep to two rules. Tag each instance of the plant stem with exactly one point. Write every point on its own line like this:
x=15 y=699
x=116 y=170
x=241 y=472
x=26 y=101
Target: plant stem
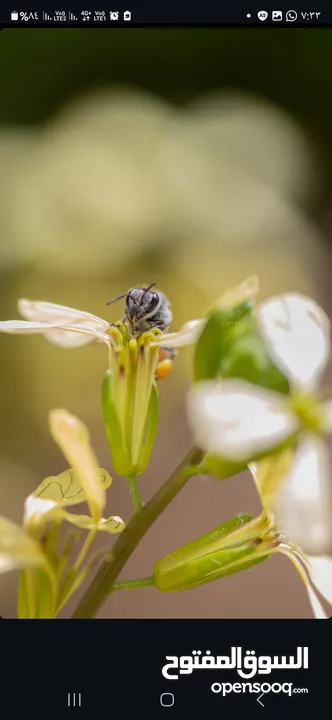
x=31 y=592
x=138 y=582
x=135 y=493
x=103 y=583
x=85 y=549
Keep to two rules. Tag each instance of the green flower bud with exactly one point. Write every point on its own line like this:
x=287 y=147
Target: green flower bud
x=231 y=346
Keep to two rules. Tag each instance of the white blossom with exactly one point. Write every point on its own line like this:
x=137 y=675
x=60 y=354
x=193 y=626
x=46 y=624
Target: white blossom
x=68 y=327
x=315 y=570
x=241 y=421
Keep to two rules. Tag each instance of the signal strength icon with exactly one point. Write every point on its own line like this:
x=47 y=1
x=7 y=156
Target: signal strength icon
x=47 y=17
x=71 y=17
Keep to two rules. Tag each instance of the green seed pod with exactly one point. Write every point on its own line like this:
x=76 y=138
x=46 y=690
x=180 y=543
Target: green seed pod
x=214 y=555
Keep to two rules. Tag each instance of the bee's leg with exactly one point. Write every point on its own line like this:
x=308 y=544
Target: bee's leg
x=115 y=324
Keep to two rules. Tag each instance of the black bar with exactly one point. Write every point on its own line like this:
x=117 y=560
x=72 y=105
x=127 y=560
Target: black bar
x=172 y=13
x=115 y=667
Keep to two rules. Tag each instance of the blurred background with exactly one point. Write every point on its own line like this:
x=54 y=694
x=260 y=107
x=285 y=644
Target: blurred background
x=192 y=158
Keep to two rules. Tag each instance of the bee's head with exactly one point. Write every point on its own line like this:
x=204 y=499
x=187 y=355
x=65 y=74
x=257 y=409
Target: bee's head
x=145 y=309
x=141 y=303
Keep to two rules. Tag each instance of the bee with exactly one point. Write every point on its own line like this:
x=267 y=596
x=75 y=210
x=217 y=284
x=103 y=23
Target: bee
x=147 y=309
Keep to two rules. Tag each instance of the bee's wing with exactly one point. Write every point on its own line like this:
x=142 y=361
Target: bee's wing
x=55 y=323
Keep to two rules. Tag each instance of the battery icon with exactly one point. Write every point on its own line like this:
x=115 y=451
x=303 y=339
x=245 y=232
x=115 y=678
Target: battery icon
x=14 y=15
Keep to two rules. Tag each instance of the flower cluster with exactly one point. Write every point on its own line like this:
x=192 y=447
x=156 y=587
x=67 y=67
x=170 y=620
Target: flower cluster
x=130 y=398
x=255 y=403
x=46 y=582
x=240 y=421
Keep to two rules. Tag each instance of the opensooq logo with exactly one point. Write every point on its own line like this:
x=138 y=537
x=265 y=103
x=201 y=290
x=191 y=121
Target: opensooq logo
x=246 y=664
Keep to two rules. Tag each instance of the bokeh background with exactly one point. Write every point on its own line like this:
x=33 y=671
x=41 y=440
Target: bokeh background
x=193 y=158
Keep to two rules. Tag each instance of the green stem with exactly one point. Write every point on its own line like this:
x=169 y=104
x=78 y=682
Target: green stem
x=138 y=582
x=103 y=583
x=135 y=493
x=31 y=592
x=85 y=549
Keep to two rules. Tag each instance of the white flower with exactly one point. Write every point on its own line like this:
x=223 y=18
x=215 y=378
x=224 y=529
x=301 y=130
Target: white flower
x=241 y=421
x=134 y=366
x=297 y=333
x=315 y=571
x=61 y=325
x=67 y=327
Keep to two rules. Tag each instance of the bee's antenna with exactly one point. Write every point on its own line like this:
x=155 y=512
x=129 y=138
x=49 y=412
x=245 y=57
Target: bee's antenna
x=117 y=298
x=147 y=290
x=150 y=286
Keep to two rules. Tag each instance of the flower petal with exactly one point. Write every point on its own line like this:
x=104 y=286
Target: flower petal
x=269 y=474
x=66 y=338
x=73 y=438
x=112 y=525
x=297 y=333
x=17 y=549
x=302 y=568
x=22 y=327
x=303 y=505
x=242 y=293
x=57 y=492
x=59 y=315
x=36 y=509
x=238 y=420
x=320 y=571
x=63 y=336
x=327 y=410
x=317 y=608
x=187 y=335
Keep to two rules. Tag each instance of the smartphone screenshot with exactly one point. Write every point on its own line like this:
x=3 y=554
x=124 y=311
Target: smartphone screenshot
x=165 y=345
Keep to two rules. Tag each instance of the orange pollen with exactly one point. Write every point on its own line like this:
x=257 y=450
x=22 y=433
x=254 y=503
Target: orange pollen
x=163 y=369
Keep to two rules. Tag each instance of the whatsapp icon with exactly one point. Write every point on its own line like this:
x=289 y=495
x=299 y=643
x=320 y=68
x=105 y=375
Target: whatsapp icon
x=291 y=16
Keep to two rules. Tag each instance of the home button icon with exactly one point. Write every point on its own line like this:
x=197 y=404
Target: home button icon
x=167 y=699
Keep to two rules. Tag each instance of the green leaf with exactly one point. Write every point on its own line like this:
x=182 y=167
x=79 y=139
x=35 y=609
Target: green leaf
x=120 y=455
x=151 y=432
